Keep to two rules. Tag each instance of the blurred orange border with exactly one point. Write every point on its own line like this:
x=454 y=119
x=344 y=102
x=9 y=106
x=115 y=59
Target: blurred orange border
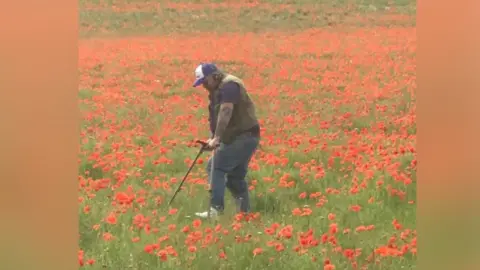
x=39 y=135
x=448 y=66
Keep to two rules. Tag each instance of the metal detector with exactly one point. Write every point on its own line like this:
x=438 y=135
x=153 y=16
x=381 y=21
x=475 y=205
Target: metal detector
x=202 y=149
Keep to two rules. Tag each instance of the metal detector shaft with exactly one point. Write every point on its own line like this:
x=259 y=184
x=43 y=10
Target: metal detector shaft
x=204 y=145
x=212 y=168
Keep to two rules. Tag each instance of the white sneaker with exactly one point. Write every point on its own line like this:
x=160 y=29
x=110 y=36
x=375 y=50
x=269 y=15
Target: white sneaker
x=213 y=213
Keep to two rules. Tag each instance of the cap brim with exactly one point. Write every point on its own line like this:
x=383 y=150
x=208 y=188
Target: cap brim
x=198 y=82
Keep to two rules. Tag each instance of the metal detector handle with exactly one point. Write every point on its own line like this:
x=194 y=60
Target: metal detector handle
x=205 y=146
x=202 y=143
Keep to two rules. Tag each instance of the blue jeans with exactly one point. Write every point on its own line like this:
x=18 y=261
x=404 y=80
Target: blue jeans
x=230 y=169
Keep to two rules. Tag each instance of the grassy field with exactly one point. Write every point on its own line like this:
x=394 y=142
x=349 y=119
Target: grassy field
x=334 y=184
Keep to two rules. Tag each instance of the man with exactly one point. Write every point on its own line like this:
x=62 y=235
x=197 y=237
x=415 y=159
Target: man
x=235 y=136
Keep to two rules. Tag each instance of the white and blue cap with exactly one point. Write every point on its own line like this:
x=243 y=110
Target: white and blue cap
x=202 y=71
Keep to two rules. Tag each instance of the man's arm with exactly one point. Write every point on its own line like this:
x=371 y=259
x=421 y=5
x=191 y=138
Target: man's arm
x=230 y=96
x=226 y=110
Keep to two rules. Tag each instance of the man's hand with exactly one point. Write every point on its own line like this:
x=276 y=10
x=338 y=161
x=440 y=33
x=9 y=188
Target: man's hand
x=208 y=144
x=213 y=143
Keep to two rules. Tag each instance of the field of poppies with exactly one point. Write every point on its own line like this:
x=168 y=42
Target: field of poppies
x=334 y=183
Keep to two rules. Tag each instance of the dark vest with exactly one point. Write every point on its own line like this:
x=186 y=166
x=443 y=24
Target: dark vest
x=243 y=116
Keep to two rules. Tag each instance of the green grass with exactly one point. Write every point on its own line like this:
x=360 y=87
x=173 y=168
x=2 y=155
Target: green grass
x=149 y=20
